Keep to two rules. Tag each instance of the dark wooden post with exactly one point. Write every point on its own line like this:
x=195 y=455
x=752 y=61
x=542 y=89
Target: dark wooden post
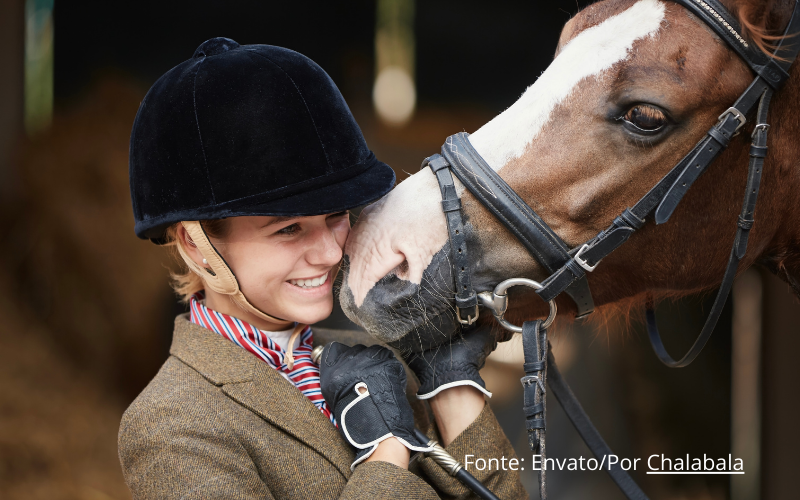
x=12 y=49
x=780 y=391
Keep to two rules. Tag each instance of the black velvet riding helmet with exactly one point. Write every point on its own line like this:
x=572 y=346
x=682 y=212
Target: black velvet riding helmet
x=247 y=130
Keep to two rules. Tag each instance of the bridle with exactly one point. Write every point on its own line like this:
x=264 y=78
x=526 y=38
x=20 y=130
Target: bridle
x=568 y=267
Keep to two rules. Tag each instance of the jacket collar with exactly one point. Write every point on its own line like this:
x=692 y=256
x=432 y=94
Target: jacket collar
x=258 y=387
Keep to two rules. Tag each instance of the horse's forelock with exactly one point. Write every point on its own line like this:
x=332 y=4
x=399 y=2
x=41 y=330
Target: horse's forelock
x=758 y=25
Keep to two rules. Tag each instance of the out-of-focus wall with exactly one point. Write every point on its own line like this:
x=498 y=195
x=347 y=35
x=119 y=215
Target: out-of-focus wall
x=76 y=265
x=86 y=307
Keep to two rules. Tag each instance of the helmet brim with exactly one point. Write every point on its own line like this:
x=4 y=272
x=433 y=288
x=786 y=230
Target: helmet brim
x=367 y=186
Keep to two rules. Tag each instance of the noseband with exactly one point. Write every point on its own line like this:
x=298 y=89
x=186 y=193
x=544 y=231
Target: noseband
x=568 y=267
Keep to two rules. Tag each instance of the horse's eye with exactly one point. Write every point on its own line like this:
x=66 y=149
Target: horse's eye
x=645 y=118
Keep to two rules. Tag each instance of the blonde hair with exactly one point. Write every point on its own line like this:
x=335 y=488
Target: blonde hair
x=184 y=281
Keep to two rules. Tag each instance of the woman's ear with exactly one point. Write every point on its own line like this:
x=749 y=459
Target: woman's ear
x=189 y=248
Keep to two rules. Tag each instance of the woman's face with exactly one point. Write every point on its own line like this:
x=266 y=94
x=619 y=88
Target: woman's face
x=285 y=266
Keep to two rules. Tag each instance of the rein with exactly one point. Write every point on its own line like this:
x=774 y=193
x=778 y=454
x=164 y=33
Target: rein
x=568 y=267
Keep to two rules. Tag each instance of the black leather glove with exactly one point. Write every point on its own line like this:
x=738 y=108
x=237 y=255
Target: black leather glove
x=365 y=419
x=454 y=363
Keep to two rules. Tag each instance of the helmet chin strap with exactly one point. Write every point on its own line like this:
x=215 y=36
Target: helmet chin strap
x=218 y=276
x=221 y=279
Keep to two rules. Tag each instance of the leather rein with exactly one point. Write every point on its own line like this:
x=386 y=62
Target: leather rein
x=568 y=267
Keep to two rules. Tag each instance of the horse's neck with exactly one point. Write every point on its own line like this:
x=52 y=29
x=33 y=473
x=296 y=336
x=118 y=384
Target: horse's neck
x=778 y=209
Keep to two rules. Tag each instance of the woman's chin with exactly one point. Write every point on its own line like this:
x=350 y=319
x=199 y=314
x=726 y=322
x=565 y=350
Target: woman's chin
x=309 y=305
x=311 y=315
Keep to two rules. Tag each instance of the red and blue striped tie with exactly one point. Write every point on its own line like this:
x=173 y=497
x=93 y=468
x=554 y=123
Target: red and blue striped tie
x=304 y=374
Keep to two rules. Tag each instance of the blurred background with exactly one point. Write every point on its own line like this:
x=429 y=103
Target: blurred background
x=88 y=311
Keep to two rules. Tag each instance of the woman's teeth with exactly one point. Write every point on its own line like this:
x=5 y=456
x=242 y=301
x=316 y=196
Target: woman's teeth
x=311 y=283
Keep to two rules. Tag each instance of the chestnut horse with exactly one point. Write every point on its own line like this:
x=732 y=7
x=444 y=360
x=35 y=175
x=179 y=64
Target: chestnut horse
x=633 y=86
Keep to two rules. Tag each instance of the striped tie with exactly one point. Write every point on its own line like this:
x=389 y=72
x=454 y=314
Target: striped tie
x=304 y=374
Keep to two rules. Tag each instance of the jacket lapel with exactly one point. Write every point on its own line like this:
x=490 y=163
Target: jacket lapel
x=260 y=388
x=276 y=400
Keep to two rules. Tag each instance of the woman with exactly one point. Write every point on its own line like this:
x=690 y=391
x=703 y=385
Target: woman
x=246 y=159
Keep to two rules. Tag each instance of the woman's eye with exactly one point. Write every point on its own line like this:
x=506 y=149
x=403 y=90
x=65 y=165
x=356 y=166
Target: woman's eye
x=645 y=118
x=291 y=229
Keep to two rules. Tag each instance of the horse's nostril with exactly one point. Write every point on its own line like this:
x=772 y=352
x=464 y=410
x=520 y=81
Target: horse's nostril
x=402 y=269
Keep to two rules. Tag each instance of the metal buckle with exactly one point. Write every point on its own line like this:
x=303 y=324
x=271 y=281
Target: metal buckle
x=763 y=126
x=497 y=302
x=736 y=114
x=528 y=380
x=582 y=262
x=470 y=319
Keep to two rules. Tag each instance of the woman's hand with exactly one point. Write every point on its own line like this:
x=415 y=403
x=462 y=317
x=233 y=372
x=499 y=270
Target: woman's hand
x=454 y=409
x=449 y=376
x=365 y=386
x=392 y=451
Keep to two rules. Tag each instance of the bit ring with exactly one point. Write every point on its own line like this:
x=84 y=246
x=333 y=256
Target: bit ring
x=497 y=302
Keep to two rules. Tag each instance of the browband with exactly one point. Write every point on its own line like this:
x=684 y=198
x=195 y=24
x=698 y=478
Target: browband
x=717 y=17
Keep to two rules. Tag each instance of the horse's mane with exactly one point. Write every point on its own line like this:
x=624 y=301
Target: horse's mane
x=622 y=315
x=754 y=17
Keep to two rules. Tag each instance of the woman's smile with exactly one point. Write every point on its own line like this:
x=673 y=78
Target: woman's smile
x=316 y=283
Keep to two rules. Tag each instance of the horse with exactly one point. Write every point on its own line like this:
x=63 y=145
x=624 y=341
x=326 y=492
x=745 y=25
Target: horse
x=633 y=86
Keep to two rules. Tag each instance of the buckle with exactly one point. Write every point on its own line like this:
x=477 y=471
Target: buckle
x=736 y=114
x=529 y=380
x=582 y=262
x=759 y=126
x=470 y=319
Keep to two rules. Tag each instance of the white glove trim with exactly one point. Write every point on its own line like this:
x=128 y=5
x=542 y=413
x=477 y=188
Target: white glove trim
x=451 y=385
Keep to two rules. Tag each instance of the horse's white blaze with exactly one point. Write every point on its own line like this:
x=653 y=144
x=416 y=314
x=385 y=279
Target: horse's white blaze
x=588 y=54
x=408 y=224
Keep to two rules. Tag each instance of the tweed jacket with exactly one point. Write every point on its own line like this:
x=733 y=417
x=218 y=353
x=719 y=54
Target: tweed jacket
x=216 y=422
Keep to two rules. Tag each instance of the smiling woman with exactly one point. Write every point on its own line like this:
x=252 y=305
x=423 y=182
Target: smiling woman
x=292 y=283
x=246 y=160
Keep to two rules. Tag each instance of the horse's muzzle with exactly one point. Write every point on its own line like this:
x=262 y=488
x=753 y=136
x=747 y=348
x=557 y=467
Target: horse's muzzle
x=405 y=314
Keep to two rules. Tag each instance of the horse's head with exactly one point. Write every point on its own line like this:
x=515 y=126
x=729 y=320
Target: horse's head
x=633 y=86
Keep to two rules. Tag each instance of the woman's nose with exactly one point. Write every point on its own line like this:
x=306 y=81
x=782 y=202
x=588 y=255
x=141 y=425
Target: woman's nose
x=326 y=248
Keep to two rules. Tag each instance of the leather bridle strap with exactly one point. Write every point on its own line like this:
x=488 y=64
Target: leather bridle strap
x=758 y=151
x=524 y=223
x=568 y=267
x=716 y=16
x=465 y=297
x=536 y=347
x=583 y=424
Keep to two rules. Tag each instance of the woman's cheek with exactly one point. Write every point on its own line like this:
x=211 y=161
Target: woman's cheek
x=267 y=271
x=341 y=233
